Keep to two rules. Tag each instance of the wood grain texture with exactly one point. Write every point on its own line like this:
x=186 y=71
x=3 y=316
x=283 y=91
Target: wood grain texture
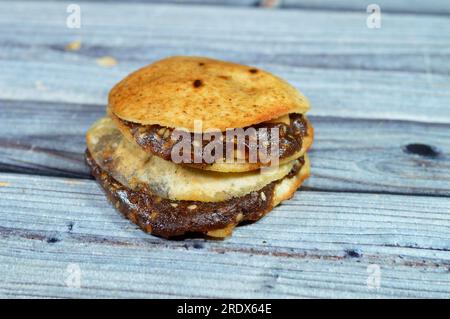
x=178 y=2
x=316 y=245
x=347 y=155
x=400 y=71
x=380 y=109
x=439 y=7
x=46 y=138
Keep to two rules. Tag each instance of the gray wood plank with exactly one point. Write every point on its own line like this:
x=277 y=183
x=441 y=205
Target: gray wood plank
x=400 y=71
x=348 y=154
x=439 y=7
x=178 y=2
x=45 y=138
x=316 y=245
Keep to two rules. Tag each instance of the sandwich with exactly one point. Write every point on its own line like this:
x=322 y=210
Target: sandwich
x=193 y=145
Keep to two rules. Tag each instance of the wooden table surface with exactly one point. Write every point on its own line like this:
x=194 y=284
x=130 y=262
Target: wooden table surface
x=378 y=201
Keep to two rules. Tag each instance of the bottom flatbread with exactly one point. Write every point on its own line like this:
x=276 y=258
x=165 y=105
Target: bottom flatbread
x=169 y=218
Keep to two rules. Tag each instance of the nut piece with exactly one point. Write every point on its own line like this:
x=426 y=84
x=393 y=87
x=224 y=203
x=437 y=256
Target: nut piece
x=153 y=215
x=263 y=196
x=222 y=233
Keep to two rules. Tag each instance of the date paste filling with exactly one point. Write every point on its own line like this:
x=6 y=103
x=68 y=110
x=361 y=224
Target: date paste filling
x=157 y=139
x=169 y=218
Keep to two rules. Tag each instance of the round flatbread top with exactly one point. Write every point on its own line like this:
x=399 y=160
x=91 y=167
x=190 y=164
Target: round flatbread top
x=176 y=91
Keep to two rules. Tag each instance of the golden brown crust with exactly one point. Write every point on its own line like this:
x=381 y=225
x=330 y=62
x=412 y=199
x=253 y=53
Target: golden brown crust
x=175 y=91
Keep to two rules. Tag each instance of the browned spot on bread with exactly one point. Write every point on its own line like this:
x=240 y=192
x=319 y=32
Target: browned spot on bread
x=197 y=83
x=253 y=71
x=225 y=77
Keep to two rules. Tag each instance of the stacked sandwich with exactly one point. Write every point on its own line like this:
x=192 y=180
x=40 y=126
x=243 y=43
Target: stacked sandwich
x=149 y=151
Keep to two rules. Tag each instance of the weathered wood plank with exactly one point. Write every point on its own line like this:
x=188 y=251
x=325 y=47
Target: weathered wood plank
x=316 y=245
x=439 y=7
x=348 y=155
x=178 y=2
x=45 y=138
x=400 y=71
